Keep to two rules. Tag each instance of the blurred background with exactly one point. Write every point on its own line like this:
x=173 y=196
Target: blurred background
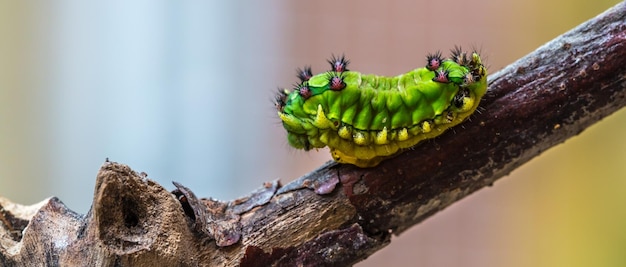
x=183 y=91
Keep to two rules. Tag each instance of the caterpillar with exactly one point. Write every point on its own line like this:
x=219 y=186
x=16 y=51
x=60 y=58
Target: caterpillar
x=365 y=118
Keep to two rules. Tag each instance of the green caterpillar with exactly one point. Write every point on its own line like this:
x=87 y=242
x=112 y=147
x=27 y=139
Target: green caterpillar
x=365 y=119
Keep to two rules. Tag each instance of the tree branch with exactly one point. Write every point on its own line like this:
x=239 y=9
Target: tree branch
x=337 y=214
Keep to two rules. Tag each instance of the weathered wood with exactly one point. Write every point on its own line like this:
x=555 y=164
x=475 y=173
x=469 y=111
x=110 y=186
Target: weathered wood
x=337 y=214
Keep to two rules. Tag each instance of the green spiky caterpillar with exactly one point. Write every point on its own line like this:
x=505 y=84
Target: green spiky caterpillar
x=365 y=119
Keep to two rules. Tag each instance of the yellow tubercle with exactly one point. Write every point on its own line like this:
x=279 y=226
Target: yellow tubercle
x=321 y=121
x=381 y=137
x=359 y=138
x=291 y=121
x=403 y=134
x=345 y=132
x=426 y=127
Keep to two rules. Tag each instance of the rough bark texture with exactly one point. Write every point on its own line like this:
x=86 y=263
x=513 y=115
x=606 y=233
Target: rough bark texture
x=338 y=214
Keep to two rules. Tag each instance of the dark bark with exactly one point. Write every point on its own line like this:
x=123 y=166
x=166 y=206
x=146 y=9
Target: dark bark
x=337 y=214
